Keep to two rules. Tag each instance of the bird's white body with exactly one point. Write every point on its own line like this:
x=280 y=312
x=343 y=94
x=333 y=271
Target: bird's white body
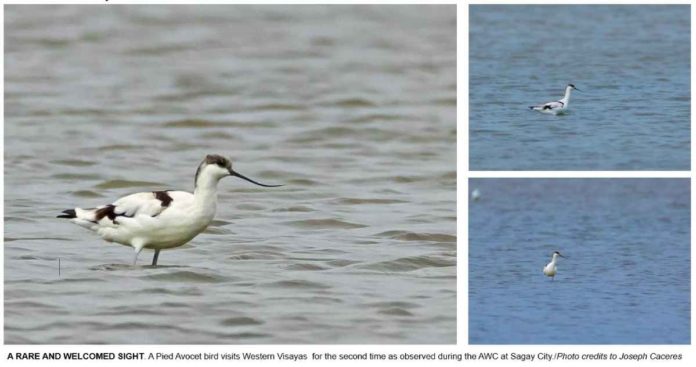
x=555 y=107
x=550 y=268
x=143 y=222
x=160 y=219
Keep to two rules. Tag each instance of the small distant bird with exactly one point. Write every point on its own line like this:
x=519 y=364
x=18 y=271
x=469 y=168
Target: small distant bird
x=475 y=195
x=556 y=107
x=550 y=268
x=160 y=219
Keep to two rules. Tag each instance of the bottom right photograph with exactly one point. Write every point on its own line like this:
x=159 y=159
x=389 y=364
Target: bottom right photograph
x=579 y=261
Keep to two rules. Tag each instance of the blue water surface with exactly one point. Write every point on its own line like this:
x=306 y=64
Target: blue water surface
x=631 y=63
x=626 y=278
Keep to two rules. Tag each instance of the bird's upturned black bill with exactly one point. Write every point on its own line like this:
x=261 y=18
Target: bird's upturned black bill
x=234 y=173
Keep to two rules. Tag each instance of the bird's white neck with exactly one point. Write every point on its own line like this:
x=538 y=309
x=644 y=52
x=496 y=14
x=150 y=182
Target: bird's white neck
x=205 y=193
x=566 y=97
x=553 y=258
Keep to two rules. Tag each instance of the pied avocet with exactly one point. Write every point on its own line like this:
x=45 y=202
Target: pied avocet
x=556 y=107
x=160 y=219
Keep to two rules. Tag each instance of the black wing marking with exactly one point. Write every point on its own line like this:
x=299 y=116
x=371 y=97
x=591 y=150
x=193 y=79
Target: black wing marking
x=108 y=211
x=164 y=197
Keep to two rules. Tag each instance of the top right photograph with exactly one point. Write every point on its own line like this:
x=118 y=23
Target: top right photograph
x=579 y=87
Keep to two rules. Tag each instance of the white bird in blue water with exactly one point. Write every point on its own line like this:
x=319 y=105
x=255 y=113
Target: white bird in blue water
x=550 y=268
x=556 y=107
x=160 y=219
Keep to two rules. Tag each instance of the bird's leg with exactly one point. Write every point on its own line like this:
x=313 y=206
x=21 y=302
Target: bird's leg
x=154 y=258
x=138 y=246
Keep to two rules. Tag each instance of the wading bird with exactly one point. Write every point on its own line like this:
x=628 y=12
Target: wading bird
x=160 y=220
x=556 y=107
x=550 y=268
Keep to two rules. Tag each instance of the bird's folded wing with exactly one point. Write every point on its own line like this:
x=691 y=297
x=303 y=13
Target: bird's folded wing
x=142 y=203
x=553 y=105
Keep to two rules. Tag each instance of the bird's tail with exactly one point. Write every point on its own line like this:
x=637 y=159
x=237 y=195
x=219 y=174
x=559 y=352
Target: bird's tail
x=69 y=214
x=82 y=217
x=536 y=108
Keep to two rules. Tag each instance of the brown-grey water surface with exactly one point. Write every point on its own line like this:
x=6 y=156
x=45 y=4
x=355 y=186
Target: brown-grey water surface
x=353 y=109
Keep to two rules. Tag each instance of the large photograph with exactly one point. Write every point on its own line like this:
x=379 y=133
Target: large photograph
x=230 y=174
